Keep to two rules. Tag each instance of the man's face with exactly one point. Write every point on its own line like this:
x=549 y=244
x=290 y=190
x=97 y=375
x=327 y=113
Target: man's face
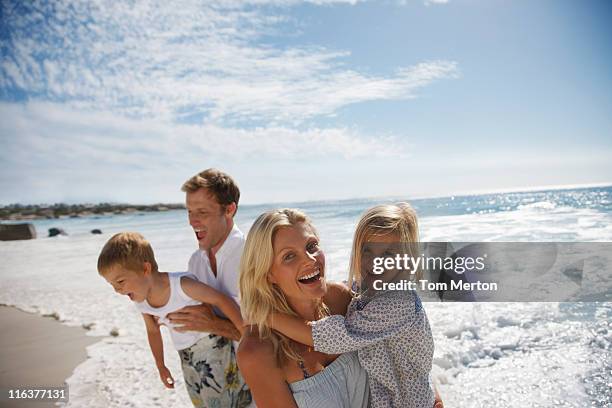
x=210 y=221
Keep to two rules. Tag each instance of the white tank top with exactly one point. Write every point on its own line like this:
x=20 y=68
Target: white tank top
x=178 y=299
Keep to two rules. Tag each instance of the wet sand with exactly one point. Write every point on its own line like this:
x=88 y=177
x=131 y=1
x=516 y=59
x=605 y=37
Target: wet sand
x=37 y=351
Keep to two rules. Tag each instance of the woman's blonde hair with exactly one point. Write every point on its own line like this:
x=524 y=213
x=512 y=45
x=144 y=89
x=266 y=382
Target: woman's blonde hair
x=385 y=219
x=259 y=298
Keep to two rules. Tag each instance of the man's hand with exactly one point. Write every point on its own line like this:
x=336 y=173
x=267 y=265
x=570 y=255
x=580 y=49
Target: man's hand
x=193 y=318
x=202 y=318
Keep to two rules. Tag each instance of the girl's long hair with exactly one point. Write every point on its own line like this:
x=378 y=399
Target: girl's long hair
x=399 y=218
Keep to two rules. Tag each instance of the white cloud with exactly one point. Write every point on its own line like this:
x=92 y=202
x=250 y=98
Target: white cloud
x=127 y=98
x=55 y=153
x=160 y=60
x=52 y=135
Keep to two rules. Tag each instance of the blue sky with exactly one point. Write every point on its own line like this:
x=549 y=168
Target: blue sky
x=110 y=101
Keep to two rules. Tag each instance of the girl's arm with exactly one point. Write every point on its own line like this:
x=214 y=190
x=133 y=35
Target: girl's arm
x=337 y=298
x=293 y=327
x=266 y=380
x=204 y=293
x=382 y=318
x=157 y=348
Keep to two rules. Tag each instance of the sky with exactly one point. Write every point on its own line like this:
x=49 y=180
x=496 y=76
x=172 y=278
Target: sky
x=123 y=101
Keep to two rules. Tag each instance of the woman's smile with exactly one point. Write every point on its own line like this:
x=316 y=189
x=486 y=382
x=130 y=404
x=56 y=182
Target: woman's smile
x=298 y=268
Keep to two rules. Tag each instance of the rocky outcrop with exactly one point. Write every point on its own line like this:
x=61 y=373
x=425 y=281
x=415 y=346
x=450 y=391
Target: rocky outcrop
x=56 y=231
x=13 y=232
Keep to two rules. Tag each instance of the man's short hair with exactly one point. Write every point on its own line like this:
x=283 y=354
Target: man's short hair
x=130 y=250
x=221 y=185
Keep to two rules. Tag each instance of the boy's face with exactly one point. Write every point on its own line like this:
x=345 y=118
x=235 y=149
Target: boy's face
x=127 y=282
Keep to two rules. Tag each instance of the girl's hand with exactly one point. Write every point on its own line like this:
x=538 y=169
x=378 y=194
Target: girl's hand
x=438 y=401
x=166 y=377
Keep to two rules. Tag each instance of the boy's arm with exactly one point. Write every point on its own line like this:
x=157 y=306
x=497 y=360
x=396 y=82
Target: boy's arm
x=204 y=293
x=157 y=348
x=155 y=340
x=293 y=327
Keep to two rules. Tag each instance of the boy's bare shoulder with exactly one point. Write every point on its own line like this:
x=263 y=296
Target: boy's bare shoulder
x=189 y=279
x=189 y=282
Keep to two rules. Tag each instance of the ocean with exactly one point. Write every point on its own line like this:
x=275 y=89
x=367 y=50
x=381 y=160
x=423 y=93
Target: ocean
x=486 y=354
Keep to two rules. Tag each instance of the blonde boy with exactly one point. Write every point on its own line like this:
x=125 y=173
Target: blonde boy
x=128 y=263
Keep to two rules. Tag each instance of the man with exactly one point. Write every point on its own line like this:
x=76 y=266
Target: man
x=212 y=201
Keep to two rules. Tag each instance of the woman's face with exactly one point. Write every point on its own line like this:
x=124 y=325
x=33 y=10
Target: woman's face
x=298 y=268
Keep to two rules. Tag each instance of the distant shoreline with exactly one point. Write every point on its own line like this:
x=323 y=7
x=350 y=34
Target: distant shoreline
x=27 y=212
x=18 y=212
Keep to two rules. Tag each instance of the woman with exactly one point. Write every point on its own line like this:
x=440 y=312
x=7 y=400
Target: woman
x=283 y=270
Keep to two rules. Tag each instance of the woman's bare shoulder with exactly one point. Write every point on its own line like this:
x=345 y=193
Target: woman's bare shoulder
x=338 y=297
x=338 y=287
x=258 y=366
x=254 y=350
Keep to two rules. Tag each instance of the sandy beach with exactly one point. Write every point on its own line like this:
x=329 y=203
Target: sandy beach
x=38 y=351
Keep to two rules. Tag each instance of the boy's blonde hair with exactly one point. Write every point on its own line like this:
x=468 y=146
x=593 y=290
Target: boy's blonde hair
x=259 y=298
x=385 y=219
x=127 y=249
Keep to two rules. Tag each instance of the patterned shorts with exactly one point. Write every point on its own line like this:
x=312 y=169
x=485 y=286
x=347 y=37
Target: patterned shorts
x=211 y=374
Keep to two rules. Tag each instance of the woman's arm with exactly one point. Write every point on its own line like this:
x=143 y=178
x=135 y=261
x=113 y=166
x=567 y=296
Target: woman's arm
x=204 y=293
x=157 y=348
x=266 y=380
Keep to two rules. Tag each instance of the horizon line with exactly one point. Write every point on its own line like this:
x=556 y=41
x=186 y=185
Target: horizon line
x=459 y=193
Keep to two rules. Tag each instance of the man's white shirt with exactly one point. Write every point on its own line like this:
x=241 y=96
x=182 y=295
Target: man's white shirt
x=228 y=270
x=228 y=266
